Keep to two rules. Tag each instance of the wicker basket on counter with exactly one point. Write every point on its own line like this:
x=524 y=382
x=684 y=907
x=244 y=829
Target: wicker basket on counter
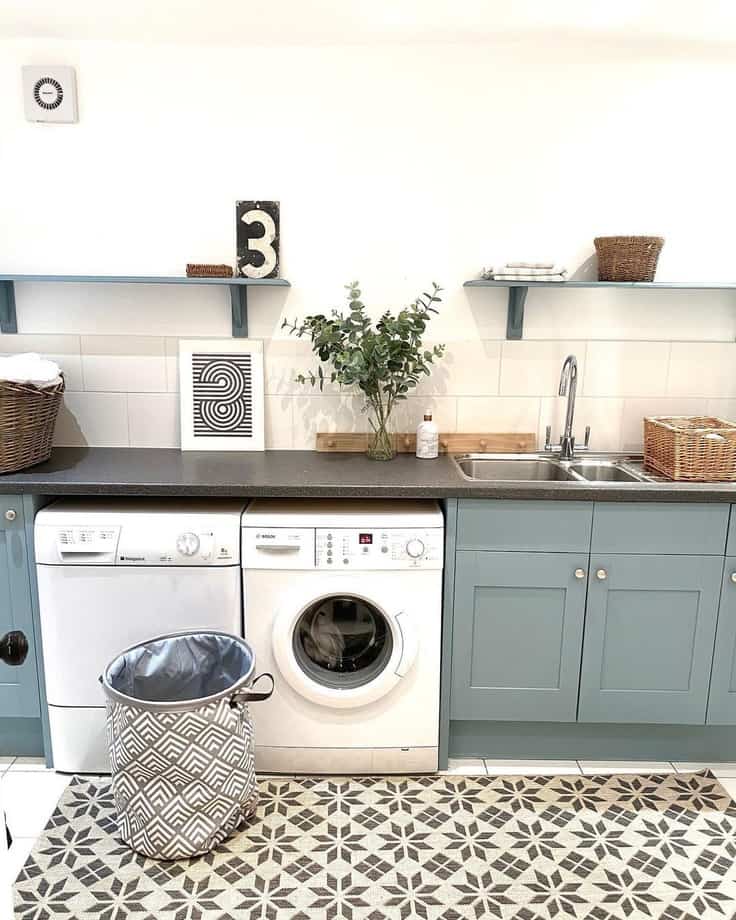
x=27 y=419
x=691 y=448
x=627 y=258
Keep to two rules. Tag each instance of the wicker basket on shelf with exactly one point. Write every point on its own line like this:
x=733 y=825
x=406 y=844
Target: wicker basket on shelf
x=691 y=448
x=27 y=419
x=627 y=258
x=207 y=270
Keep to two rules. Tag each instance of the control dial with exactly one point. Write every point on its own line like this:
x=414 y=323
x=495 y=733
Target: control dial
x=187 y=544
x=415 y=548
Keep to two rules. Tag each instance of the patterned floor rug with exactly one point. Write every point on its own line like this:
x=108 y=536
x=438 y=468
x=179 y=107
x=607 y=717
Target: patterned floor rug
x=439 y=848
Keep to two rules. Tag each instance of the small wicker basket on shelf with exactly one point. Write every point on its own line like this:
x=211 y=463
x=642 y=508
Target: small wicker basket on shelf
x=691 y=448
x=27 y=419
x=206 y=270
x=627 y=258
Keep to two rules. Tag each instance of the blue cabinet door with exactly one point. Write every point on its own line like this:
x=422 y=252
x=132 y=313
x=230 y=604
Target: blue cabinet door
x=722 y=699
x=517 y=635
x=18 y=685
x=649 y=632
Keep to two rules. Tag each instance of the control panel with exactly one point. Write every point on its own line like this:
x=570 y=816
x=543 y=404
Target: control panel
x=78 y=543
x=383 y=548
x=197 y=545
x=151 y=545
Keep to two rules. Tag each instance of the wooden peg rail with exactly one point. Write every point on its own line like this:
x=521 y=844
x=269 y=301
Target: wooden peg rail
x=451 y=443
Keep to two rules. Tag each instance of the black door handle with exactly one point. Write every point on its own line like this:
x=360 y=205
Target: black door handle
x=13 y=647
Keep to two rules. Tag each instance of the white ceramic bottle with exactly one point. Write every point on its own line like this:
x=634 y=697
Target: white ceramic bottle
x=428 y=438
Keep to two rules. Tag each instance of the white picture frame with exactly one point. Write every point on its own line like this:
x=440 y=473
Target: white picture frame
x=221 y=389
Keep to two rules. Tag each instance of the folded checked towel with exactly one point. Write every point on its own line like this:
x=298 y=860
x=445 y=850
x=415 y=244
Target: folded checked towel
x=522 y=276
x=509 y=270
x=547 y=265
x=29 y=368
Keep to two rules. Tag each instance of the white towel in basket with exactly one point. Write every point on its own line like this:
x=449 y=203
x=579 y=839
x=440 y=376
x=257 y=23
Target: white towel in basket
x=30 y=368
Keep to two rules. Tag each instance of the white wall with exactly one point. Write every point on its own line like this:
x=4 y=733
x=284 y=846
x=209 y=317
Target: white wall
x=396 y=165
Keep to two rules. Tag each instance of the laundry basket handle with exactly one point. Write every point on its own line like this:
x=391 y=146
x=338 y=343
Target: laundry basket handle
x=253 y=696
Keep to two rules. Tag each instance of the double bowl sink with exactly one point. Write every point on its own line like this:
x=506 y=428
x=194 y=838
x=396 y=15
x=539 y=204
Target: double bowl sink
x=548 y=468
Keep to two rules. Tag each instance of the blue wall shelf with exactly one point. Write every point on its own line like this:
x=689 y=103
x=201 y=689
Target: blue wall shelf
x=519 y=289
x=238 y=292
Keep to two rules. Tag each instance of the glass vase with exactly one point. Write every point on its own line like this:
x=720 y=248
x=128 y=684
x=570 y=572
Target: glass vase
x=381 y=444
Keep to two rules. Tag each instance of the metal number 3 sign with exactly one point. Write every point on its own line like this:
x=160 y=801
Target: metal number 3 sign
x=257 y=238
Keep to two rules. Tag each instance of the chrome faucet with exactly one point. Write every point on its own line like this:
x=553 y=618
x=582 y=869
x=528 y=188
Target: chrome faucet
x=568 y=387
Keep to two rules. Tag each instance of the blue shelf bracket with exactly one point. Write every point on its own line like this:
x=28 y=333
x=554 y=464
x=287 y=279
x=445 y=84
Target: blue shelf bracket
x=515 y=316
x=8 y=322
x=239 y=304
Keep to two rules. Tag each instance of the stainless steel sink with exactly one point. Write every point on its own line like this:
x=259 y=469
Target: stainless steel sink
x=604 y=471
x=544 y=468
x=512 y=468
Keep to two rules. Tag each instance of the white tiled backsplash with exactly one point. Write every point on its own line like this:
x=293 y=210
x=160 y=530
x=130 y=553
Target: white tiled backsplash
x=123 y=389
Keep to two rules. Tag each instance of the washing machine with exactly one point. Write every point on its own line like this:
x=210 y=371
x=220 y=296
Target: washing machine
x=343 y=603
x=114 y=573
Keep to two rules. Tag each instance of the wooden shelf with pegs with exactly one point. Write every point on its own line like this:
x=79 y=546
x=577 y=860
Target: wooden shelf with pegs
x=450 y=443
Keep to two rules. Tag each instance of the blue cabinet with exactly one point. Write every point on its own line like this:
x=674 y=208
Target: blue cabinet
x=649 y=633
x=19 y=696
x=517 y=635
x=722 y=699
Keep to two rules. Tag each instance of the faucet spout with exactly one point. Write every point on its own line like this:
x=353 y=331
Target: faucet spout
x=568 y=387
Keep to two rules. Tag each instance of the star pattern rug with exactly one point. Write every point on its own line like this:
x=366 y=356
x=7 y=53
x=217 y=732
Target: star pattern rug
x=391 y=848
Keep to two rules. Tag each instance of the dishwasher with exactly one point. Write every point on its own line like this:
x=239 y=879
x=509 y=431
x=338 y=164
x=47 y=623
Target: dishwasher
x=113 y=573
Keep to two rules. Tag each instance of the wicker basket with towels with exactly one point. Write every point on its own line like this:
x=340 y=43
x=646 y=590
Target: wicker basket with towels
x=691 y=448
x=31 y=391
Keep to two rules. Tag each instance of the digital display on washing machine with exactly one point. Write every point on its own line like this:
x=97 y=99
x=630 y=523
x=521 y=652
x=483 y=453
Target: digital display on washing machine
x=365 y=539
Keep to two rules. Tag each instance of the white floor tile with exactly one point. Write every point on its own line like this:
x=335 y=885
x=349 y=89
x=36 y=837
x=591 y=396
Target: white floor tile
x=5 y=762
x=729 y=784
x=27 y=764
x=719 y=769
x=30 y=799
x=465 y=766
x=591 y=767
x=18 y=854
x=531 y=767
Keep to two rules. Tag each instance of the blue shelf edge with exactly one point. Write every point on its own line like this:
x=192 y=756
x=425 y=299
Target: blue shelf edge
x=518 y=291
x=238 y=292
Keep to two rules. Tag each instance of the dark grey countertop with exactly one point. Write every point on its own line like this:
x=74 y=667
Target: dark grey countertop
x=303 y=474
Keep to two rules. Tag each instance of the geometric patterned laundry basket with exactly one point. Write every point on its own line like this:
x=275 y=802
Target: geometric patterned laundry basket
x=181 y=741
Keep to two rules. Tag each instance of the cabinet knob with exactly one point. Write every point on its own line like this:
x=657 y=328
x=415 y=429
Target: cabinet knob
x=601 y=574
x=580 y=573
x=733 y=577
x=10 y=515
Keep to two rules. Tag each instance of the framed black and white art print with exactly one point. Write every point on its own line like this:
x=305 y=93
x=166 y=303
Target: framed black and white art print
x=257 y=235
x=221 y=384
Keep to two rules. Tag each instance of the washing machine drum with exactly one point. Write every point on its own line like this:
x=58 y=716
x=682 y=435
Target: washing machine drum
x=342 y=641
x=343 y=649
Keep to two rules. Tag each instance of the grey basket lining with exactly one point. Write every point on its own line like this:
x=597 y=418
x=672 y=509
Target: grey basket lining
x=180 y=671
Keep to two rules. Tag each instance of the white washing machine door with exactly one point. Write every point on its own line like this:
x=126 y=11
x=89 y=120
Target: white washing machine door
x=340 y=646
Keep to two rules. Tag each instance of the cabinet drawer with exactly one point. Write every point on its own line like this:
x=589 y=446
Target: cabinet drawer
x=524 y=526
x=670 y=528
